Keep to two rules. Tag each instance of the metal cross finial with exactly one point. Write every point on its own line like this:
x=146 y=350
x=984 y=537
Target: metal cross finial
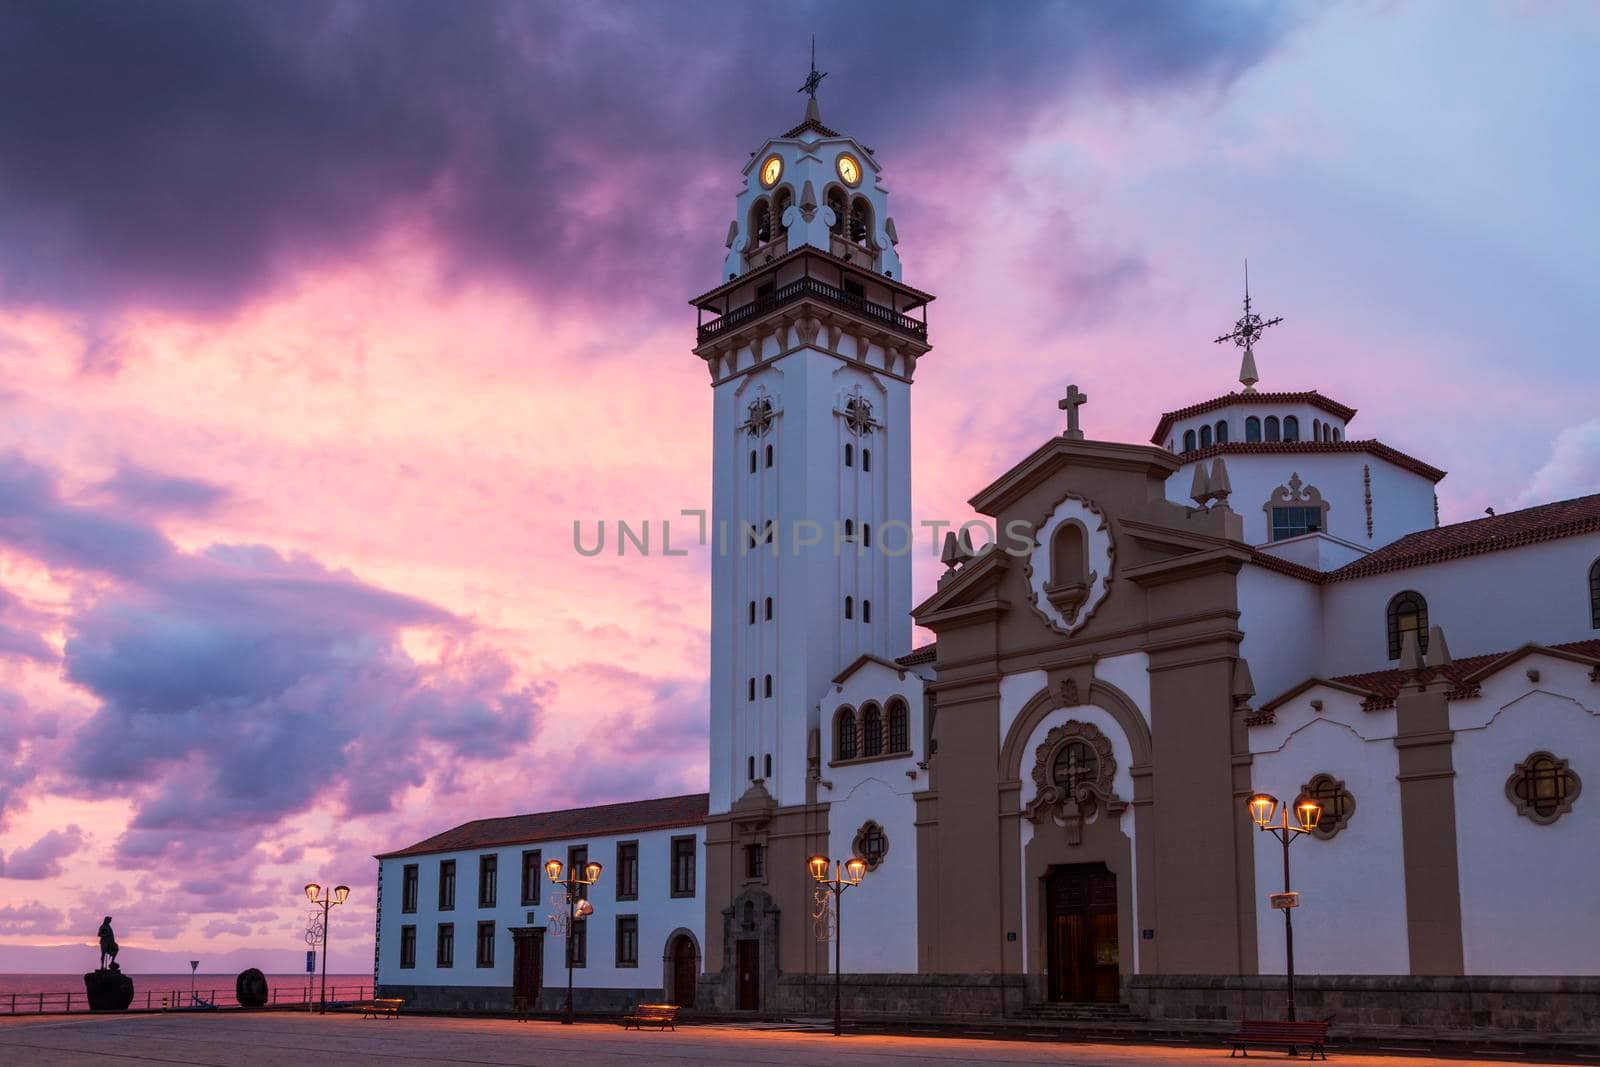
x=1246 y=332
x=1070 y=404
x=813 y=79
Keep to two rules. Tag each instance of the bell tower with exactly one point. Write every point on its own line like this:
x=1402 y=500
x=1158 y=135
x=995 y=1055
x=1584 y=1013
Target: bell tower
x=811 y=346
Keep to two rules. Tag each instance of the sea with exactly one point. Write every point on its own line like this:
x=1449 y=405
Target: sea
x=151 y=988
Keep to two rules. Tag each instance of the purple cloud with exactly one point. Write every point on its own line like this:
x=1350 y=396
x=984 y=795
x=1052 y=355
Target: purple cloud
x=214 y=146
x=42 y=859
x=145 y=491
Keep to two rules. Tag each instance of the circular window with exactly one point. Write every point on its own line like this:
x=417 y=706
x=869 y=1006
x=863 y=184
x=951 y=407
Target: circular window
x=1075 y=764
x=1337 y=803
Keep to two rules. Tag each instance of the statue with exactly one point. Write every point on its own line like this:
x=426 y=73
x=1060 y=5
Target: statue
x=108 y=946
x=108 y=988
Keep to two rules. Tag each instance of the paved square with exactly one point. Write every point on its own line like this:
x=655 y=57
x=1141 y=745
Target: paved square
x=230 y=1039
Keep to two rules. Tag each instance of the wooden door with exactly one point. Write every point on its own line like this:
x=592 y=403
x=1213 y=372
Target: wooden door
x=685 y=972
x=1081 y=927
x=749 y=976
x=527 y=966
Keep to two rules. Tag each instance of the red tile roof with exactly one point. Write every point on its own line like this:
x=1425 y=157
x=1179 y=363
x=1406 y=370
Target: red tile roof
x=925 y=654
x=631 y=817
x=1372 y=448
x=1514 y=529
x=1546 y=522
x=1312 y=397
x=1385 y=685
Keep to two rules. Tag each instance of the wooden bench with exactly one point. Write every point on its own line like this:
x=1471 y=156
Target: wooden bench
x=660 y=1016
x=1310 y=1034
x=383 y=1007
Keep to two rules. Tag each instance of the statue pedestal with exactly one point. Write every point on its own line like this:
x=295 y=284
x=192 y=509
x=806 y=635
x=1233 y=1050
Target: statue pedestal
x=109 y=989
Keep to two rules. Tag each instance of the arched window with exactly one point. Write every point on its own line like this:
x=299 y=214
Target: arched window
x=899 y=726
x=849 y=455
x=866 y=459
x=752 y=611
x=871 y=731
x=1205 y=437
x=1316 y=429
x=1594 y=595
x=766 y=762
x=1272 y=428
x=751 y=695
x=752 y=461
x=849 y=607
x=1252 y=430
x=844 y=745
x=1222 y=431
x=1408 y=613
x=866 y=611
x=849 y=529
x=860 y=220
x=780 y=204
x=750 y=768
x=836 y=204
x=1188 y=440
x=760 y=223
x=1069 y=562
x=769 y=455
x=1291 y=428
x=1338 y=434
x=866 y=535
x=769 y=609
x=766 y=686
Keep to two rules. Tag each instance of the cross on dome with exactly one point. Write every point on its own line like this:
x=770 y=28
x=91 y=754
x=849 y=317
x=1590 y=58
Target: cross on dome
x=1070 y=403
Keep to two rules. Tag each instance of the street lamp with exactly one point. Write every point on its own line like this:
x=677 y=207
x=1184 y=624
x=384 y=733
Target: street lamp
x=849 y=876
x=576 y=909
x=325 y=899
x=1308 y=813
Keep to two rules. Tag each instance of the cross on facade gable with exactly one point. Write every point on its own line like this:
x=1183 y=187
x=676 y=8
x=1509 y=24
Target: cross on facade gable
x=1070 y=404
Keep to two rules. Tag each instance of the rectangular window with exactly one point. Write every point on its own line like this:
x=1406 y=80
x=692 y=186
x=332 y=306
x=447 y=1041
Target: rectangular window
x=577 y=856
x=627 y=940
x=486 y=944
x=578 y=944
x=1292 y=522
x=532 y=871
x=447 y=885
x=627 y=870
x=683 y=857
x=755 y=861
x=488 y=875
x=408 y=889
x=445 y=955
x=408 y=946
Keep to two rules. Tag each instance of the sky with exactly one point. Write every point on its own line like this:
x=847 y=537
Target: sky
x=321 y=324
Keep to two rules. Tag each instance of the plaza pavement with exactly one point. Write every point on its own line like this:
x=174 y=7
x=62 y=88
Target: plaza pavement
x=270 y=1039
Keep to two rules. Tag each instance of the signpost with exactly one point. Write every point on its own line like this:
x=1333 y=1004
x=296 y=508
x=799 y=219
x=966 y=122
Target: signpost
x=1284 y=901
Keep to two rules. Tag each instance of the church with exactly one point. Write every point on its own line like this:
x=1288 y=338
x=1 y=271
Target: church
x=1050 y=798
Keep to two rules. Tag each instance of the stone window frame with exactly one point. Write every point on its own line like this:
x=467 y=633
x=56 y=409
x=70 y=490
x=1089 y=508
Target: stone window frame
x=622 y=922
x=1296 y=494
x=856 y=848
x=1072 y=808
x=1528 y=808
x=858 y=731
x=1328 y=828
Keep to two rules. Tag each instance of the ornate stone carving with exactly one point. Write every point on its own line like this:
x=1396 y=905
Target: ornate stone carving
x=759 y=423
x=871 y=844
x=858 y=414
x=1073 y=772
x=1067 y=601
x=1337 y=803
x=1296 y=494
x=807 y=329
x=1069 y=693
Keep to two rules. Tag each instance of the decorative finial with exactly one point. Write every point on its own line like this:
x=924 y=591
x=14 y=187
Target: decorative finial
x=813 y=80
x=1246 y=332
x=1070 y=404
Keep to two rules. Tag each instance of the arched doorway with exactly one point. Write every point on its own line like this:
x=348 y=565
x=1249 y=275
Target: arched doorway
x=683 y=970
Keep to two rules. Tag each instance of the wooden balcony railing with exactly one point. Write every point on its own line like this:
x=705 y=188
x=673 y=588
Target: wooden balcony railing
x=815 y=289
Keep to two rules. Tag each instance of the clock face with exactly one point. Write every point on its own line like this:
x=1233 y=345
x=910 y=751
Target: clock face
x=771 y=171
x=849 y=170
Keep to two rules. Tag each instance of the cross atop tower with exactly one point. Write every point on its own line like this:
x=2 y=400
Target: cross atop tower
x=1246 y=332
x=1070 y=403
x=813 y=79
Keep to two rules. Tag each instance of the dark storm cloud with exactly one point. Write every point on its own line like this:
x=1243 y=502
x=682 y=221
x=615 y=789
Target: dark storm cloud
x=184 y=153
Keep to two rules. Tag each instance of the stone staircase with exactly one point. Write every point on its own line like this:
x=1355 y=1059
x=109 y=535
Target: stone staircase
x=1109 y=1015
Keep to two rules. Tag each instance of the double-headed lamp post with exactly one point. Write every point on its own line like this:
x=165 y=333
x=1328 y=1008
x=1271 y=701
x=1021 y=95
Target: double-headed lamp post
x=326 y=899
x=1263 y=806
x=844 y=877
x=576 y=909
